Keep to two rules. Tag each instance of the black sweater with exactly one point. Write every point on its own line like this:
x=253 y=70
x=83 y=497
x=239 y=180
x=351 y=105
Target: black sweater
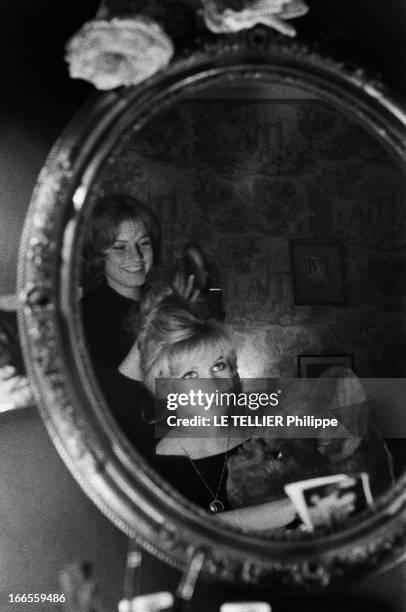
x=181 y=473
x=109 y=338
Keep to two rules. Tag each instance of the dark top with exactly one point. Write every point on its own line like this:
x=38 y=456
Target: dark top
x=106 y=316
x=180 y=473
x=109 y=338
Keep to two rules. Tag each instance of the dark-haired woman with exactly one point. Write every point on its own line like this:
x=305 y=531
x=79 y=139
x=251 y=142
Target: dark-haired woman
x=122 y=242
x=122 y=246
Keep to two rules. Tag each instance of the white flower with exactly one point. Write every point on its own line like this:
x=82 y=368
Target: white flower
x=118 y=52
x=271 y=13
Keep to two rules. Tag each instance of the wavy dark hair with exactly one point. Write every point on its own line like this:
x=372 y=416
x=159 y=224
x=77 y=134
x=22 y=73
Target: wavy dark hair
x=103 y=226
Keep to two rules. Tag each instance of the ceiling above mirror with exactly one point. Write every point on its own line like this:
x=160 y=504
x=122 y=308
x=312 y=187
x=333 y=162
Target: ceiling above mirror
x=266 y=156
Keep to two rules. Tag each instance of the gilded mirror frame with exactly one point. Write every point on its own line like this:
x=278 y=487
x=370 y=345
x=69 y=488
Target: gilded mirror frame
x=104 y=463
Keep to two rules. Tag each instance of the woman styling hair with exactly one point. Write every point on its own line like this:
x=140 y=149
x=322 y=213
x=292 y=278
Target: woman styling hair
x=122 y=246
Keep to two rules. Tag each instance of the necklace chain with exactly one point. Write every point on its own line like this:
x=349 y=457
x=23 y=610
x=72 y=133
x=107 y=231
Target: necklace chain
x=215 y=505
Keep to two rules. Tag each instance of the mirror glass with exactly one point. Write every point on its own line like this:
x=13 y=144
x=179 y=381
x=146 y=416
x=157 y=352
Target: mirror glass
x=299 y=212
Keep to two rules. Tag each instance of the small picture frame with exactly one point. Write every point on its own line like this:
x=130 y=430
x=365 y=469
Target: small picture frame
x=328 y=500
x=313 y=366
x=317 y=272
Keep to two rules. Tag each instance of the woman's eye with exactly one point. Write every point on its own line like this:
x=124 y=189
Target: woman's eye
x=219 y=366
x=145 y=242
x=118 y=247
x=192 y=374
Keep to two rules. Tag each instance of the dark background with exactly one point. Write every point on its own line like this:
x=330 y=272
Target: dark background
x=46 y=520
x=37 y=90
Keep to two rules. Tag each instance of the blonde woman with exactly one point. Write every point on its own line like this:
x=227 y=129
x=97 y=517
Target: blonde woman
x=177 y=342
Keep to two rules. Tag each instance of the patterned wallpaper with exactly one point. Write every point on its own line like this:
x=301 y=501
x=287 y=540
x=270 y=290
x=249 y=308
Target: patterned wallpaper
x=243 y=179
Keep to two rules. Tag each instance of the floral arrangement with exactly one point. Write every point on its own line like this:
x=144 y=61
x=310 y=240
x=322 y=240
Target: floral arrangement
x=125 y=47
x=234 y=15
x=119 y=51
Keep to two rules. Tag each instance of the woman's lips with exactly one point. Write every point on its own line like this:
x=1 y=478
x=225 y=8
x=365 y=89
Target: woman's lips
x=132 y=269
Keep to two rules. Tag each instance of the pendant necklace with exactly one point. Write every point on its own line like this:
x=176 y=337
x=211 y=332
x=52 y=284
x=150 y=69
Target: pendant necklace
x=216 y=505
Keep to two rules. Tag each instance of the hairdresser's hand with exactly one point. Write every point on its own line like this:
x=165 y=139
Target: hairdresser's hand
x=131 y=366
x=185 y=287
x=15 y=391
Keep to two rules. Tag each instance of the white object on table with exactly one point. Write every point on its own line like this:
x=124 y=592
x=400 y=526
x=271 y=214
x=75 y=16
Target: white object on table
x=246 y=606
x=155 y=602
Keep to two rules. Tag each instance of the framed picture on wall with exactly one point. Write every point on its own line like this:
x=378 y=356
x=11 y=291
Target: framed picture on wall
x=313 y=366
x=317 y=272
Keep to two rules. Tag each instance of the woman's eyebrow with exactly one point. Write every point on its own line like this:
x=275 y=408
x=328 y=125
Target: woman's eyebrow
x=191 y=369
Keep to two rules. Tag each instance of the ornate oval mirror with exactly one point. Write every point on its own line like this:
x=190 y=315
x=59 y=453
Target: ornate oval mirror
x=289 y=171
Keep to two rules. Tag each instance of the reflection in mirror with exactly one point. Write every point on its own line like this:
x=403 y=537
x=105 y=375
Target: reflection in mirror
x=297 y=217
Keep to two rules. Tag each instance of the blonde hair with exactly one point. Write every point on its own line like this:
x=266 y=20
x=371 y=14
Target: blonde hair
x=172 y=328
